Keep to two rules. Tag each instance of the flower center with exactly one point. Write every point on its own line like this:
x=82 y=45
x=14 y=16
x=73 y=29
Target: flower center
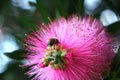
x=55 y=55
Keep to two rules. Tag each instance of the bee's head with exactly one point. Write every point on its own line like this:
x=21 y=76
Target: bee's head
x=53 y=41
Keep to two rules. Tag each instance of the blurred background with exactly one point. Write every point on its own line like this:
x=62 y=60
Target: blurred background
x=20 y=17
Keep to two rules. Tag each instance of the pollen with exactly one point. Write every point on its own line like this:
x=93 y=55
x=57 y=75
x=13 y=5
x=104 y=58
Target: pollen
x=55 y=55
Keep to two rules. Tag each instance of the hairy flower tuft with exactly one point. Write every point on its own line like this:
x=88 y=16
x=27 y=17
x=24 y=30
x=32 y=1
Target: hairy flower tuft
x=70 y=49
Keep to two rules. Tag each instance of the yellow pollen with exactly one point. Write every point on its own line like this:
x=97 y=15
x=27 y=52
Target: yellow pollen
x=55 y=56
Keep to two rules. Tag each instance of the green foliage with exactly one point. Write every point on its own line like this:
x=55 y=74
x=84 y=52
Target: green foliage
x=26 y=22
x=57 y=8
x=113 y=28
x=17 y=55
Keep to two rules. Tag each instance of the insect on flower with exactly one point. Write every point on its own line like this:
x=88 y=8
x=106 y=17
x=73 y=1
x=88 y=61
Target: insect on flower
x=70 y=49
x=53 y=41
x=54 y=54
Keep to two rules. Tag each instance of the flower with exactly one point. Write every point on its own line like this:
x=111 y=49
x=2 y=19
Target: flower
x=70 y=49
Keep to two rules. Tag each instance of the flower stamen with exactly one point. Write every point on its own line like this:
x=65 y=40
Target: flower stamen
x=55 y=55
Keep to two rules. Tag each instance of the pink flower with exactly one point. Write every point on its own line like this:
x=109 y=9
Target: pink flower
x=70 y=49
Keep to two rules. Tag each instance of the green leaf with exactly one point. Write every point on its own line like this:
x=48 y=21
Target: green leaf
x=81 y=7
x=41 y=7
x=27 y=22
x=17 y=55
x=57 y=14
x=113 y=28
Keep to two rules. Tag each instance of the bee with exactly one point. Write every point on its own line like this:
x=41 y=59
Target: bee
x=53 y=41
